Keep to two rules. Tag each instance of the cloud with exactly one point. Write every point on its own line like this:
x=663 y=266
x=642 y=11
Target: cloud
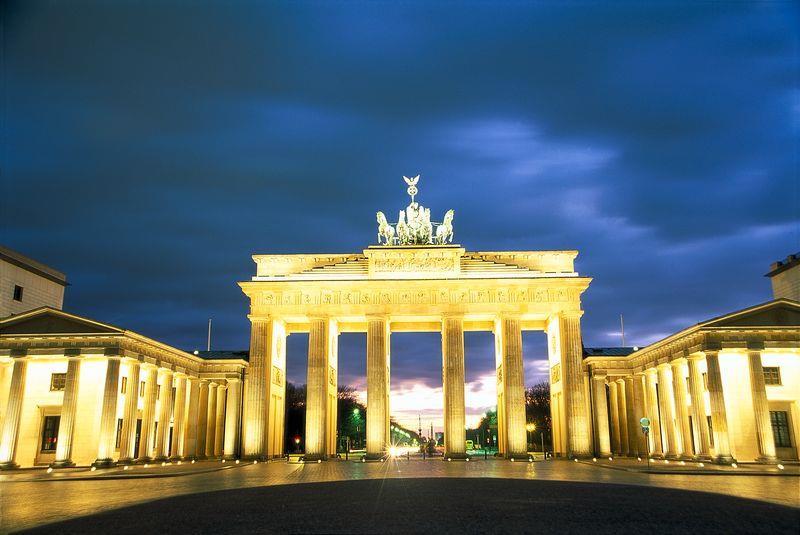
x=148 y=165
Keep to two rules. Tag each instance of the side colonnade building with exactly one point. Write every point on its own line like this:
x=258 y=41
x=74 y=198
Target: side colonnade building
x=724 y=390
x=74 y=391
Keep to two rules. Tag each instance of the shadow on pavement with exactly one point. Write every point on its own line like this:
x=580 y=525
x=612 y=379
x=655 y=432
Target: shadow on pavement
x=442 y=505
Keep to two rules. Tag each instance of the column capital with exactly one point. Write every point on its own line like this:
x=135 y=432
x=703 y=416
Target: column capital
x=599 y=375
x=571 y=314
x=695 y=356
x=710 y=352
x=664 y=366
x=652 y=372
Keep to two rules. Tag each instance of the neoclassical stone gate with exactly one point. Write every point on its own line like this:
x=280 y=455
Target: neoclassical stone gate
x=425 y=289
x=415 y=282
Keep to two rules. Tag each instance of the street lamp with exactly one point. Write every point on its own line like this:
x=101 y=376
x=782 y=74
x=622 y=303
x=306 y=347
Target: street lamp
x=530 y=427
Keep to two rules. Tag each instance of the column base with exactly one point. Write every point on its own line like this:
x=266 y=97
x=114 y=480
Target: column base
x=67 y=463
x=126 y=462
x=175 y=458
x=723 y=459
x=161 y=459
x=143 y=460
x=314 y=458
x=672 y=457
x=104 y=463
x=229 y=457
x=375 y=457
x=524 y=457
x=10 y=465
x=455 y=457
x=259 y=458
x=767 y=460
x=702 y=458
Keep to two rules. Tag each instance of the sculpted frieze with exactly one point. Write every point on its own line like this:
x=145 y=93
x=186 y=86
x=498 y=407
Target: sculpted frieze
x=270 y=299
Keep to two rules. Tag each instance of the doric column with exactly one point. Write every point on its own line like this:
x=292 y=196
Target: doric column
x=164 y=416
x=622 y=408
x=202 y=419
x=653 y=413
x=682 y=406
x=603 y=446
x=630 y=415
x=219 y=426
x=8 y=440
x=615 y=425
x=127 y=442
x=263 y=426
x=453 y=387
x=332 y=388
x=766 y=440
x=665 y=408
x=321 y=372
x=232 y=401
x=719 y=418
x=639 y=403
x=178 y=418
x=276 y=391
x=377 y=386
x=576 y=406
x=148 y=413
x=509 y=332
x=108 y=416
x=211 y=419
x=69 y=406
x=699 y=419
x=190 y=449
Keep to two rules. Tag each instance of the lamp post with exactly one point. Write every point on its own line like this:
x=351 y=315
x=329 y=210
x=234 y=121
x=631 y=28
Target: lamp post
x=357 y=419
x=530 y=427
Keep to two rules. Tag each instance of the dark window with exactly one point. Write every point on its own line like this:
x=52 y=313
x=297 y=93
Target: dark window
x=124 y=386
x=58 y=381
x=772 y=375
x=710 y=431
x=780 y=428
x=119 y=433
x=158 y=391
x=50 y=433
x=705 y=381
x=17 y=293
x=141 y=389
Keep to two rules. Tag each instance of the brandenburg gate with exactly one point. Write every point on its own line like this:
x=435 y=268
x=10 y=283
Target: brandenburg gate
x=414 y=280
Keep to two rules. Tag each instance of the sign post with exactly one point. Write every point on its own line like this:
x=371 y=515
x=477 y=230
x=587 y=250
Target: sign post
x=645 y=423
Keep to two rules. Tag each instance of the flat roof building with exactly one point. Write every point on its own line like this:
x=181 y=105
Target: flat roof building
x=26 y=284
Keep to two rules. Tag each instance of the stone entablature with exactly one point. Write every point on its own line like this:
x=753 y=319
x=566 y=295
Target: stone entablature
x=712 y=335
x=410 y=262
x=534 y=298
x=416 y=262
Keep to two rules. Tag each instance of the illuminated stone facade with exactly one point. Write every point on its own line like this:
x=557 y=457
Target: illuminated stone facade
x=428 y=288
x=724 y=390
x=76 y=391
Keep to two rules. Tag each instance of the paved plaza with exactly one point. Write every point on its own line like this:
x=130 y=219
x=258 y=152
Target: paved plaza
x=398 y=495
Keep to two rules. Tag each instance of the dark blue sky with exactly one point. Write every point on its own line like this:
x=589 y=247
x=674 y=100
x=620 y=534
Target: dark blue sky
x=149 y=148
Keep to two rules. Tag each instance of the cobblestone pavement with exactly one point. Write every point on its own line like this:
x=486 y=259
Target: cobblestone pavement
x=28 y=498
